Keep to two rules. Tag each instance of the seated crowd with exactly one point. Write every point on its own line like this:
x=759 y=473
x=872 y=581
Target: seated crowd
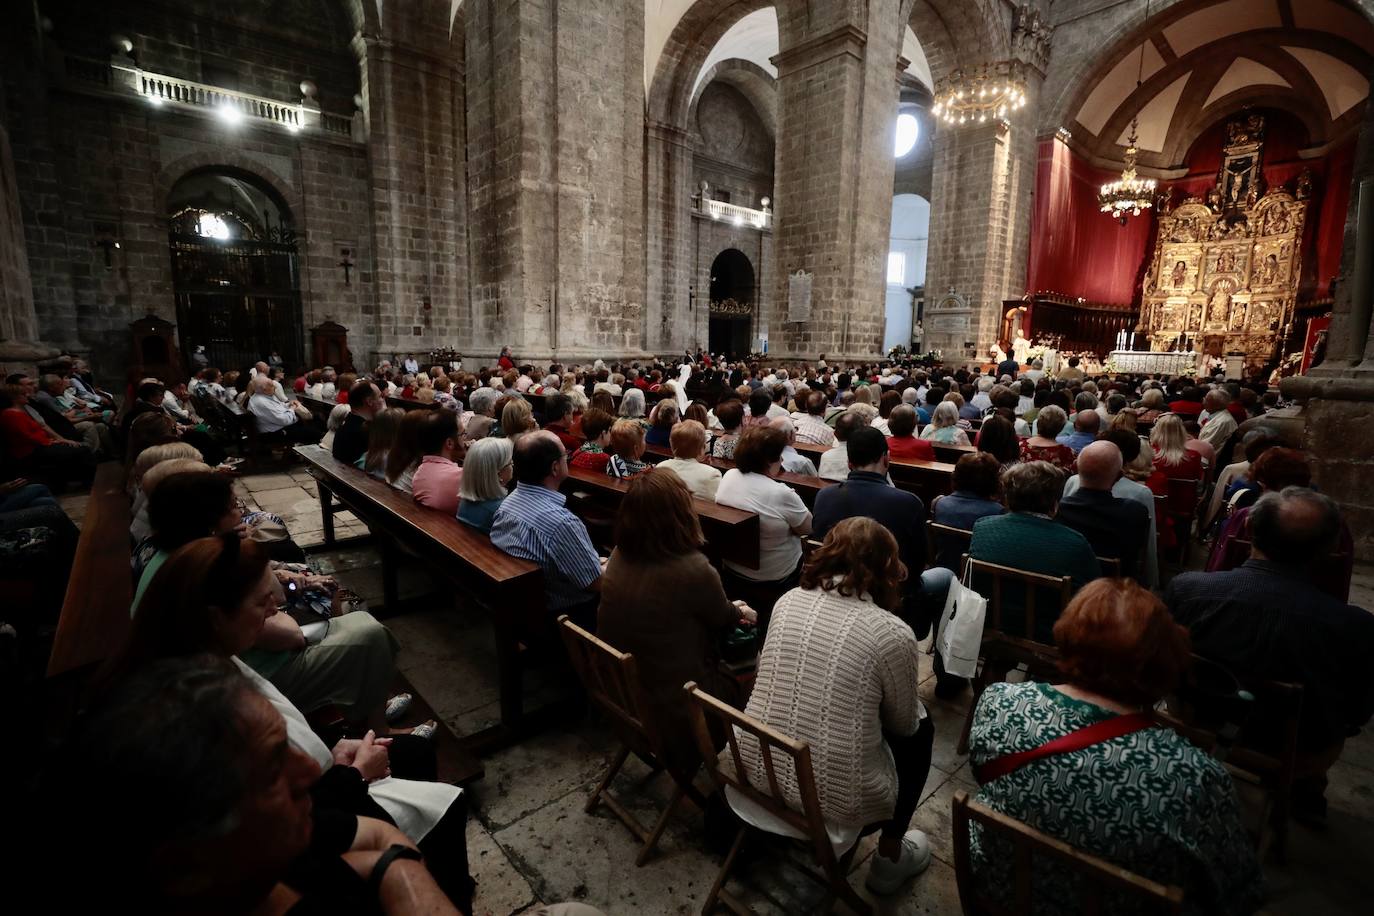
x=227 y=798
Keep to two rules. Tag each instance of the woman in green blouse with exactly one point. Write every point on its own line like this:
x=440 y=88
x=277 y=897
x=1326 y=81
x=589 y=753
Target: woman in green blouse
x=1147 y=799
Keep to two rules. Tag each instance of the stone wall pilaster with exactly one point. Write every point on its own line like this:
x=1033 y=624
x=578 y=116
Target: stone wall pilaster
x=837 y=97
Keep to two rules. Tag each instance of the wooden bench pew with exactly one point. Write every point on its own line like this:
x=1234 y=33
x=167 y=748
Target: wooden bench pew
x=806 y=485
x=509 y=590
x=319 y=408
x=729 y=532
x=94 y=621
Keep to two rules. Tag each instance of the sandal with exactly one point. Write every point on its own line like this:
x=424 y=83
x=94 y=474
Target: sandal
x=397 y=706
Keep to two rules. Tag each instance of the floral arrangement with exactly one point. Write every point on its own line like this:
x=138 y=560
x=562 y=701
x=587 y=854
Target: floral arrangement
x=1036 y=352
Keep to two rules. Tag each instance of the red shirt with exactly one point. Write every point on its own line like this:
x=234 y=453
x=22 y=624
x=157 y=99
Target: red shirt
x=505 y=363
x=299 y=384
x=903 y=447
x=341 y=396
x=565 y=435
x=1238 y=411
x=1187 y=408
x=591 y=461
x=22 y=432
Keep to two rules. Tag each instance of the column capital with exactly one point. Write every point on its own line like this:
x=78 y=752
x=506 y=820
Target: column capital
x=846 y=40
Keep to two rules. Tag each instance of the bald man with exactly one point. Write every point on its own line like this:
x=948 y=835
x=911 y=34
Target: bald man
x=1116 y=528
x=1267 y=619
x=1083 y=431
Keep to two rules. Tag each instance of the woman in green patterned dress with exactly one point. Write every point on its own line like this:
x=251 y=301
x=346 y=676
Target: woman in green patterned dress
x=1147 y=800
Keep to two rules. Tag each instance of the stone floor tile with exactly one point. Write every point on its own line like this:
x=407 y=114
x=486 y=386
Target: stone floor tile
x=307 y=539
x=934 y=817
x=256 y=482
x=572 y=855
x=540 y=770
x=949 y=723
x=501 y=889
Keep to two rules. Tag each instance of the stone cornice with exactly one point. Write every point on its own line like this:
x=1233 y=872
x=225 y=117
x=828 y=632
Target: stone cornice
x=846 y=40
x=1354 y=385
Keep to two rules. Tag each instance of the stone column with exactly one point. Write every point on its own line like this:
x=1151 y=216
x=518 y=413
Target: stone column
x=413 y=92
x=837 y=103
x=556 y=135
x=982 y=183
x=670 y=312
x=1337 y=397
x=20 y=347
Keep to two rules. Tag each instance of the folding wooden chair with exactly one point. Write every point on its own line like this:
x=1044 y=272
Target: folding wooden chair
x=1277 y=712
x=1099 y=877
x=1001 y=651
x=1184 y=495
x=611 y=679
x=1111 y=567
x=776 y=750
x=1328 y=574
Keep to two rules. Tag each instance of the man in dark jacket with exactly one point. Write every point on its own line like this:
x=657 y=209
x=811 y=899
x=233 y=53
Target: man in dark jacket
x=1116 y=528
x=1266 y=620
x=350 y=439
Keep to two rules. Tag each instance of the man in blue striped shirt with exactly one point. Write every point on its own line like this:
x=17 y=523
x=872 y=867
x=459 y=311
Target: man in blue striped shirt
x=534 y=524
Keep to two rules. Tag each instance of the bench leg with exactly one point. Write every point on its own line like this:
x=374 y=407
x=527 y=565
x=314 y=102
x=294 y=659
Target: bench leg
x=509 y=676
x=326 y=510
x=391 y=593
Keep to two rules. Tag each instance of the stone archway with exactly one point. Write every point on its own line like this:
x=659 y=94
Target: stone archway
x=733 y=294
x=235 y=268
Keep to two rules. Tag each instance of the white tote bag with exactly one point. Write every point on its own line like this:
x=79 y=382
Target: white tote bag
x=961 y=629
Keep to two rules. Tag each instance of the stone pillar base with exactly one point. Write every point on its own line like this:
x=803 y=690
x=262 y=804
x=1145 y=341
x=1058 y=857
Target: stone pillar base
x=24 y=355
x=1338 y=415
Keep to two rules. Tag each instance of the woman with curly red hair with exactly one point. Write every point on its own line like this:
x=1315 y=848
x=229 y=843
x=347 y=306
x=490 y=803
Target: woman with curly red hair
x=1084 y=762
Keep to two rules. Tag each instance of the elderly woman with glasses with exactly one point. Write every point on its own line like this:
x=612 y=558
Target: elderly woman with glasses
x=486 y=474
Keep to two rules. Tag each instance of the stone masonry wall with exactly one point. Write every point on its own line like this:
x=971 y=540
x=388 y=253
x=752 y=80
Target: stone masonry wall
x=556 y=131
x=837 y=92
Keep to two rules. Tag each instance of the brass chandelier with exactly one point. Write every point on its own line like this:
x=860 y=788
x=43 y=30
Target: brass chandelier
x=1129 y=194
x=990 y=92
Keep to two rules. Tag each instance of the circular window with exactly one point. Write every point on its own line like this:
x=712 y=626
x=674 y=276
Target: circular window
x=908 y=129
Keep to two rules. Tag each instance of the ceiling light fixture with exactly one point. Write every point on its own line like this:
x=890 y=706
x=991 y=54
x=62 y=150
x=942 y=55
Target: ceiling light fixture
x=1129 y=195
x=992 y=90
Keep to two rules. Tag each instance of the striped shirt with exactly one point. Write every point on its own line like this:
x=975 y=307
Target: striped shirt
x=534 y=524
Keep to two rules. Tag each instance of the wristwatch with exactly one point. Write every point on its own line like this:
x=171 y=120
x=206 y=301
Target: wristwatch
x=392 y=853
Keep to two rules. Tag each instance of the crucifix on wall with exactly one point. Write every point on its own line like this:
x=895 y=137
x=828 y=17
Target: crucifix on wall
x=346 y=262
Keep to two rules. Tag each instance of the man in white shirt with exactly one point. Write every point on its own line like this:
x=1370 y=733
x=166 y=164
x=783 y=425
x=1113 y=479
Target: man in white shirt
x=982 y=400
x=411 y=364
x=835 y=461
x=1219 y=424
x=271 y=415
x=688 y=441
x=793 y=462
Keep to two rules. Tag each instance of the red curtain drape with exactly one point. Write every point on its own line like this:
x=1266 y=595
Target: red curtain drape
x=1076 y=250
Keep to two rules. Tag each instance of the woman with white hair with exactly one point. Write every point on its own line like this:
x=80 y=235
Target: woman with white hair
x=632 y=407
x=336 y=420
x=944 y=426
x=486 y=472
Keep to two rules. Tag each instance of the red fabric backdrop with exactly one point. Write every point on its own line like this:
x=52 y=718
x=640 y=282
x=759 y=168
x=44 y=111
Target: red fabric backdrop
x=1077 y=250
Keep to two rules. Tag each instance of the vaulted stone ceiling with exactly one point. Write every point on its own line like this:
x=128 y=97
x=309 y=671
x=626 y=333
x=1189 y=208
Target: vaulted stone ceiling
x=754 y=38
x=1204 y=61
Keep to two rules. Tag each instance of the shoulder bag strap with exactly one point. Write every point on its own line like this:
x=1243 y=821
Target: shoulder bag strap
x=1075 y=740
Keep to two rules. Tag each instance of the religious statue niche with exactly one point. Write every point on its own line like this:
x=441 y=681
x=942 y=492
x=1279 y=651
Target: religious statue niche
x=1227 y=268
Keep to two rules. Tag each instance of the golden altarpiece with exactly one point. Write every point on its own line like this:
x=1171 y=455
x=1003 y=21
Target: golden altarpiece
x=1223 y=277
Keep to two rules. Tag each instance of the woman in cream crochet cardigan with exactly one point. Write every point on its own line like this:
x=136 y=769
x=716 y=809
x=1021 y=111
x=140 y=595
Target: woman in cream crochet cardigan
x=839 y=670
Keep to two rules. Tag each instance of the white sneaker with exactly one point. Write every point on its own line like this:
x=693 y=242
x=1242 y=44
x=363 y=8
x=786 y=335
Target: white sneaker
x=886 y=876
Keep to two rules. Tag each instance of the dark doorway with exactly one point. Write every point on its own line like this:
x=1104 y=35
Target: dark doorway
x=732 y=303
x=235 y=270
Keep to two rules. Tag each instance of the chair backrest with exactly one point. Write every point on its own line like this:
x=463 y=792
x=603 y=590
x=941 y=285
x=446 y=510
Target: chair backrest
x=945 y=541
x=775 y=750
x=1183 y=494
x=992 y=581
x=611 y=678
x=1111 y=567
x=1099 y=878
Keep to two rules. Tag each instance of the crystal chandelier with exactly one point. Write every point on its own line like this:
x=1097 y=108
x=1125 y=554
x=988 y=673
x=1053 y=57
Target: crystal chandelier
x=1128 y=195
x=990 y=92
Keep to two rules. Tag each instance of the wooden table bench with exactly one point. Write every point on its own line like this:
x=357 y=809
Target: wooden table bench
x=95 y=611
x=730 y=533
x=509 y=590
